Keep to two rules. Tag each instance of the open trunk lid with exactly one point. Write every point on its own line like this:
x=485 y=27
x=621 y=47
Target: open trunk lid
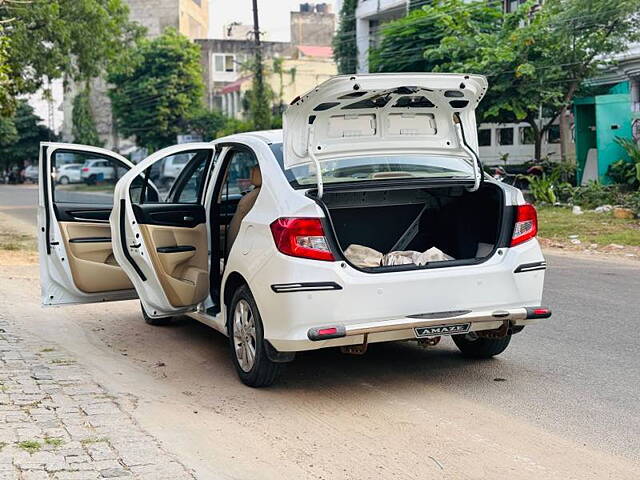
x=378 y=114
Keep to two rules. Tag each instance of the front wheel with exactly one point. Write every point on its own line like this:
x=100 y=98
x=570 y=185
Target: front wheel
x=64 y=180
x=246 y=338
x=473 y=346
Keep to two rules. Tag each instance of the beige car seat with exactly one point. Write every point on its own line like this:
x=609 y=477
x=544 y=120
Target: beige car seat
x=244 y=206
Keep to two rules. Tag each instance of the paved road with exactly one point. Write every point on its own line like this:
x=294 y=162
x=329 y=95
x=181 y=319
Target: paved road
x=20 y=201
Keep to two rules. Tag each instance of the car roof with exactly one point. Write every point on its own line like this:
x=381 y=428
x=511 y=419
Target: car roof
x=267 y=136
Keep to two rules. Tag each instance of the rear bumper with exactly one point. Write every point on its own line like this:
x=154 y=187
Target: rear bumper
x=481 y=320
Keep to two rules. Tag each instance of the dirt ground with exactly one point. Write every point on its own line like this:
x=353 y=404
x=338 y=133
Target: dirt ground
x=330 y=418
x=180 y=386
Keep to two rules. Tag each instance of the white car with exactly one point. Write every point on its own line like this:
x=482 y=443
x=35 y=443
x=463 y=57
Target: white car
x=370 y=220
x=171 y=168
x=31 y=173
x=69 y=173
x=97 y=170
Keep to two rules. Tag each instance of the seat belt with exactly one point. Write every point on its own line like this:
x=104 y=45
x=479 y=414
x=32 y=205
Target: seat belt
x=410 y=233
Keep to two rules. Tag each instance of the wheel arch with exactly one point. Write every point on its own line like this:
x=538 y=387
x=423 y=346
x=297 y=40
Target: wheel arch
x=234 y=281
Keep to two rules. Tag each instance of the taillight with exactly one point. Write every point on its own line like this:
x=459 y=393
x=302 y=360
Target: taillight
x=526 y=226
x=85 y=169
x=301 y=237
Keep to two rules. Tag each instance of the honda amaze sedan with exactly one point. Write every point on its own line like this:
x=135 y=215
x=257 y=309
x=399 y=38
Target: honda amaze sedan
x=367 y=219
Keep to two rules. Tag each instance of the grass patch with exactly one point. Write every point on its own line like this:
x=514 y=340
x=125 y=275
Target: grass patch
x=17 y=242
x=91 y=440
x=557 y=223
x=47 y=350
x=31 y=446
x=54 y=442
x=82 y=187
x=62 y=361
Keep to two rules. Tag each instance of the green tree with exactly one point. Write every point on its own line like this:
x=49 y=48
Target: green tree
x=6 y=86
x=407 y=44
x=54 y=38
x=535 y=61
x=28 y=133
x=84 y=126
x=156 y=89
x=207 y=123
x=345 y=46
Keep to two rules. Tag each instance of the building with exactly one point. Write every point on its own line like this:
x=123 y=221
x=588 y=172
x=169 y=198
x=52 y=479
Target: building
x=189 y=17
x=313 y=24
x=614 y=111
x=370 y=15
x=305 y=61
x=224 y=68
x=307 y=67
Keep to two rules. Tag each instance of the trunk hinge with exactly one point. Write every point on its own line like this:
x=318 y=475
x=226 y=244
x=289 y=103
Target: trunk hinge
x=477 y=166
x=312 y=155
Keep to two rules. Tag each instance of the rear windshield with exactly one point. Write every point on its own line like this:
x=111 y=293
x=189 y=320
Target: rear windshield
x=382 y=167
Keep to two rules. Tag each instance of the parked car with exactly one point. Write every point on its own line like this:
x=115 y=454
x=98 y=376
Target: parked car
x=97 y=170
x=69 y=173
x=31 y=174
x=366 y=219
x=171 y=168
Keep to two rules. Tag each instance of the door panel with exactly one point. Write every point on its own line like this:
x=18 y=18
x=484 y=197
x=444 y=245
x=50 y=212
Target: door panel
x=162 y=243
x=74 y=235
x=90 y=255
x=180 y=259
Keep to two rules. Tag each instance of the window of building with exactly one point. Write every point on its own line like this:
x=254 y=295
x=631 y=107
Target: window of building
x=224 y=63
x=505 y=136
x=484 y=137
x=526 y=136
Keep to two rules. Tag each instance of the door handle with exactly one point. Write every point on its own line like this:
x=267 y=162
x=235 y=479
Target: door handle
x=187 y=218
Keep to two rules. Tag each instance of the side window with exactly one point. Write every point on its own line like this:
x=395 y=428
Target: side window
x=177 y=178
x=238 y=174
x=98 y=177
x=526 y=136
x=505 y=136
x=484 y=137
x=554 y=134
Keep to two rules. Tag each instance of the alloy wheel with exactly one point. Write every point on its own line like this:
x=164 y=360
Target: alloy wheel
x=244 y=335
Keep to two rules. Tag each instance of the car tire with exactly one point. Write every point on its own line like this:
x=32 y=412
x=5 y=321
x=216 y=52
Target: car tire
x=473 y=346
x=156 y=322
x=246 y=339
x=64 y=180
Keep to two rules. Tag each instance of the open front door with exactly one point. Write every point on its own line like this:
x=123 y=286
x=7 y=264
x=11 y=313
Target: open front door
x=74 y=236
x=161 y=241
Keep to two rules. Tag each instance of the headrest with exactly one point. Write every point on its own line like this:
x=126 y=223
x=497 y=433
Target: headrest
x=256 y=177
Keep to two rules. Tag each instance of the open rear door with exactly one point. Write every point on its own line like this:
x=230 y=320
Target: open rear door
x=74 y=236
x=161 y=241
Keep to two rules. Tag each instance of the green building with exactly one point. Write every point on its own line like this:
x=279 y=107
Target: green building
x=612 y=111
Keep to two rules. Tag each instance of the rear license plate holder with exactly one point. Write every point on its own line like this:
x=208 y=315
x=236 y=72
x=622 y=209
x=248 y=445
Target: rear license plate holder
x=442 y=330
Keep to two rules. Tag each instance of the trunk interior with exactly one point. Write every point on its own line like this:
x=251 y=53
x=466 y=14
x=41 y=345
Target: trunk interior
x=466 y=226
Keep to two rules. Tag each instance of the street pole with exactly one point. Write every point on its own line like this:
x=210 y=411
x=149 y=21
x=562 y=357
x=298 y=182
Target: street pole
x=262 y=114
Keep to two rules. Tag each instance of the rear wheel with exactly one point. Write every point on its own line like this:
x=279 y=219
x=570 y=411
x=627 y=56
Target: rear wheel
x=246 y=338
x=64 y=180
x=473 y=346
x=156 y=322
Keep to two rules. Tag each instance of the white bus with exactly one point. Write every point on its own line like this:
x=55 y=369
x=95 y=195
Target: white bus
x=513 y=143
